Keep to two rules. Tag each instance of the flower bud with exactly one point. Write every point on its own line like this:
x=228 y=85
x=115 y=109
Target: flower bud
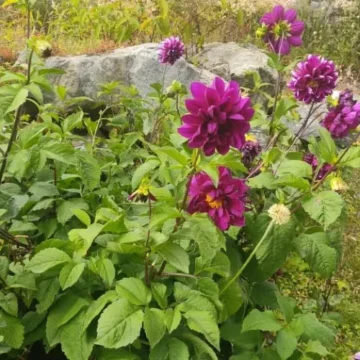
x=338 y=184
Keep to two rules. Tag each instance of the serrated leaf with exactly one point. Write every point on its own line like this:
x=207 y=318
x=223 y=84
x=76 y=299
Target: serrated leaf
x=119 y=325
x=142 y=171
x=201 y=348
x=89 y=170
x=173 y=319
x=159 y=292
x=324 y=207
x=43 y=189
x=232 y=299
x=65 y=211
x=175 y=255
x=170 y=349
x=105 y=269
x=47 y=291
x=204 y=323
x=47 y=259
x=264 y=180
x=9 y=303
x=326 y=146
x=96 y=307
x=134 y=290
x=61 y=313
x=82 y=216
x=260 y=320
x=13 y=331
x=296 y=168
x=70 y=274
x=315 y=251
x=154 y=325
x=315 y=347
x=18 y=100
x=286 y=343
x=75 y=344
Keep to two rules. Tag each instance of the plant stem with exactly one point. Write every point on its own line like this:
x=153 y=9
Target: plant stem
x=277 y=91
x=166 y=274
x=28 y=19
x=147 y=277
x=253 y=253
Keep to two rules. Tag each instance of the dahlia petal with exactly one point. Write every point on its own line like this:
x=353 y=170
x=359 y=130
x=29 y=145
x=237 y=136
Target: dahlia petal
x=295 y=40
x=284 y=46
x=267 y=19
x=187 y=131
x=290 y=15
x=198 y=89
x=223 y=148
x=297 y=28
x=278 y=13
x=209 y=148
x=191 y=119
x=193 y=106
x=219 y=85
x=212 y=96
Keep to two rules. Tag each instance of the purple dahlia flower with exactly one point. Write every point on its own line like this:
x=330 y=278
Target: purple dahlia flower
x=313 y=79
x=357 y=356
x=312 y=160
x=343 y=117
x=250 y=151
x=171 y=50
x=218 y=117
x=280 y=30
x=225 y=204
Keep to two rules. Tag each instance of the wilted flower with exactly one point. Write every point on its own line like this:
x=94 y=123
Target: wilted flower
x=142 y=193
x=219 y=117
x=250 y=150
x=314 y=162
x=171 y=50
x=280 y=214
x=343 y=117
x=313 y=79
x=225 y=204
x=282 y=30
x=338 y=184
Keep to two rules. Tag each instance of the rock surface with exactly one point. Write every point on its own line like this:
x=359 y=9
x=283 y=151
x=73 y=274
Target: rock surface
x=136 y=65
x=232 y=61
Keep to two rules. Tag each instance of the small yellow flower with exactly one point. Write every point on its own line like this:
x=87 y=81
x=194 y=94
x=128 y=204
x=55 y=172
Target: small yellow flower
x=261 y=31
x=280 y=214
x=338 y=184
x=250 y=137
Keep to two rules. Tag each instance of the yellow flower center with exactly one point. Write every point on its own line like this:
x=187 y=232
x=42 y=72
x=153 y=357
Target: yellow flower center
x=281 y=29
x=214 y=204
x=313 y=84
x=143 y=190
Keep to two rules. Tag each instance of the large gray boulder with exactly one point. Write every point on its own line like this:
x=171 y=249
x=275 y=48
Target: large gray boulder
x=232 y=61
x=136 y=65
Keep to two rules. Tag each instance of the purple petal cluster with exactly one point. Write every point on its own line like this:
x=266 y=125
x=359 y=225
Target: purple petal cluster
x=250 y=151
x=343 y=117
x=218 y=117
x=357 y=356
x=282 y=30
x=313 y=79
x=171 y=50
x=225 y=204
x=312 y=160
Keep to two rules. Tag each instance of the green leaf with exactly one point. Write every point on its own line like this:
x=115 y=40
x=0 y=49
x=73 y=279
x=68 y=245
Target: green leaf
x=175 y=255
x=174 y=154
x=13 y=331
x=154 y=325
x=232 y=299
x=263 y=180
x=326 y=146
x=61 y=152
x=204 y=323
x=119 y=325
x=61 y=313
x=201 y=348
x=9 y=303
x=18 y=100
x=70 y=274
x=286 y=344
x=121 y=354
x=134 y=290
x=43 y=189
x=315 y=251
x=66 y=209
x=293 y=181
x=75 y=344
x=104 y=268
x=212 y=170
x=257 y=320
x=209 y=239
x=47 y=259
x=82 y=216
x=173 y=319
x=284 y=106
x=324 y=207
x=159 y=292
x=142 y=171
x=170 y=349
x=89 y=170
x=315 y=347
x=47 y=291
x=315 y=330
x=23 y=280
x=220 y=265
x=4 y=267
x=351 y=158
x=296 y=168
x=164 y=8
x=97 y=306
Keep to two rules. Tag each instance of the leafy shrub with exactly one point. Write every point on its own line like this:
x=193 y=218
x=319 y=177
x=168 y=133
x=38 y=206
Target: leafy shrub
x=137 y=245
